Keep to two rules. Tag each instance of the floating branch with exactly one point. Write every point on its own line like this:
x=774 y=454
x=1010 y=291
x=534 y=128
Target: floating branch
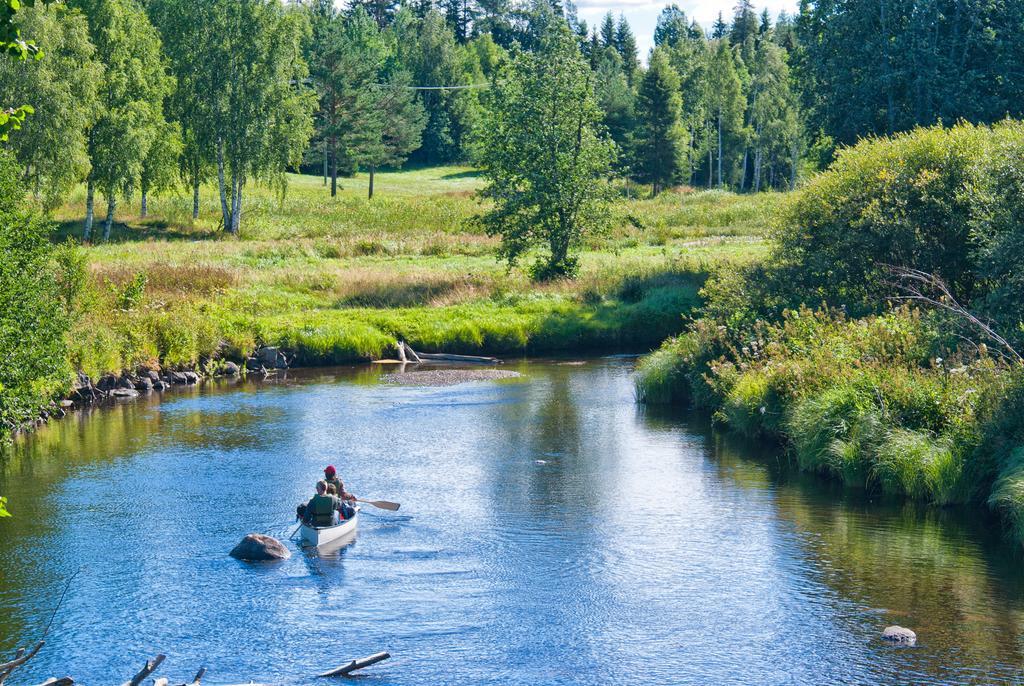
x=148 y=669
x=352 y=666
x=20 y=658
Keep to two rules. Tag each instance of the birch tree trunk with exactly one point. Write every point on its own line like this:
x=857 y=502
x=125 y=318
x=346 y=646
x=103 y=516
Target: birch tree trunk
x=230 y=226
x=334 y=168
x=195 y=197
x=236 y=214
x=109 y=221
x=144 y=207
x=225 y=215
x=757 y=170
x=90 y=194
x=743 y=174
x=719 y=149
x=711 y=168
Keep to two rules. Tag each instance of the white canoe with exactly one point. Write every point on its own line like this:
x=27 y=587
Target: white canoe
x=321 y=535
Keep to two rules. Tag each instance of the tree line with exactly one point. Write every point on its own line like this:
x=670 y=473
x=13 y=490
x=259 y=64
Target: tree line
x=141 y=96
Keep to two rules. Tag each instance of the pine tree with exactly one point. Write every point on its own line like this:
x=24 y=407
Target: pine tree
x=659 y=143
x=625 y=45
x=608 y=31
x=719 y=28
x=402 y=119
x=765 y=28
x=744 y=23
x=672 y=27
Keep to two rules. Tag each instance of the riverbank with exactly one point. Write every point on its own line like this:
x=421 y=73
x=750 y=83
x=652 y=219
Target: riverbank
x=330 y=281
x=922 y=401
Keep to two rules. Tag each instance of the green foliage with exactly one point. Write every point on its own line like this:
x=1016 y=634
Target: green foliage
x=545 y=157
x=428 y=49
x=3 y=507
x=659 y=142
x=14 y=46
x=52 y=145
x=866 y=401
x=33 y=318
x=876 y=69
x=131 y=98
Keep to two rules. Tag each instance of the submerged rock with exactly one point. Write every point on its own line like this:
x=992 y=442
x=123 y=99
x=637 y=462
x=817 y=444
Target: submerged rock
x=124 y=393
x=229 y=368
x=899 y=634
x=258 y=547
x=447 y=377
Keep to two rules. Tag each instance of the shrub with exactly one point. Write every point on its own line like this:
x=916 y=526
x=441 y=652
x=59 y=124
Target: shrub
x=909 y=200
x=36 y=293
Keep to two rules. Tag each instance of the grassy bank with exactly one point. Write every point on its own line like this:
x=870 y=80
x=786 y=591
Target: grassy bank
x=339 y=279
x=916 y=403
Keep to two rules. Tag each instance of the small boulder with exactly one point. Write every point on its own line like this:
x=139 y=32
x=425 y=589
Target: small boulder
x=191 y=377
x=178 y=377
x=124 y=393
x=258 y=547
x=144 y=383
x=125 y=382
x=106 y=383
x=900 y=635
x=229 y=368
x=153 y=375
x=268 y=355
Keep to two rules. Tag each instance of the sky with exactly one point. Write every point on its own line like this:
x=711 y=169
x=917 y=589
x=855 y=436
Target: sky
x=642 y=15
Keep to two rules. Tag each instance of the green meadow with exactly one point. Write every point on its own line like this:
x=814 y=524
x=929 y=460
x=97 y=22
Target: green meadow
x=339 y=279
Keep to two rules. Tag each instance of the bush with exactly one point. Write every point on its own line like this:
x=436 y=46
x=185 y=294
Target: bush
x=37 y=284
x=909 y=201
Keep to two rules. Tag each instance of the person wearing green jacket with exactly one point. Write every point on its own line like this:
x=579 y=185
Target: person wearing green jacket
x=323 y=508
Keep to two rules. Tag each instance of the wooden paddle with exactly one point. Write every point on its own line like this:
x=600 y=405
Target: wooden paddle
x=382 y=504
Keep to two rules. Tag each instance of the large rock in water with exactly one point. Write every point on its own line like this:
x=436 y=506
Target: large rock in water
x=898 y=634
x=256 y=547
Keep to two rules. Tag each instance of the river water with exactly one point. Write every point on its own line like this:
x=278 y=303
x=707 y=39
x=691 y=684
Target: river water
x=552 y=531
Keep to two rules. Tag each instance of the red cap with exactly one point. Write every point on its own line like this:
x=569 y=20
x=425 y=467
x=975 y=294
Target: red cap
x=330 y=470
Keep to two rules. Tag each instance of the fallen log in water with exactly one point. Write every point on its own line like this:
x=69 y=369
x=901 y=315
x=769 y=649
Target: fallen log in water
x=146 y=670
x=352 y=666
x=20 y=658
x=450 y=357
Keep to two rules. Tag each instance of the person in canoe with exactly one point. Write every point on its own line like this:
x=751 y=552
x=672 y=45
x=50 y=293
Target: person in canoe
x=331 y=477
x=323 y=508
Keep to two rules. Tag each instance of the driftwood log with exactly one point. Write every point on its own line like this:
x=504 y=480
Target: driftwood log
x=352 y=666
x=21 y=657
x=449 y=357
x=146 y=670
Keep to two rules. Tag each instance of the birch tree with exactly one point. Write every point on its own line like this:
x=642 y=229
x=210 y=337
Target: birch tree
x=131 y=102
x=262 y=117
x=51 y=146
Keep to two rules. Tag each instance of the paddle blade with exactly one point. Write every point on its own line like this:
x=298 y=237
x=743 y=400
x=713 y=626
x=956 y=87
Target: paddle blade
x=382 y=504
